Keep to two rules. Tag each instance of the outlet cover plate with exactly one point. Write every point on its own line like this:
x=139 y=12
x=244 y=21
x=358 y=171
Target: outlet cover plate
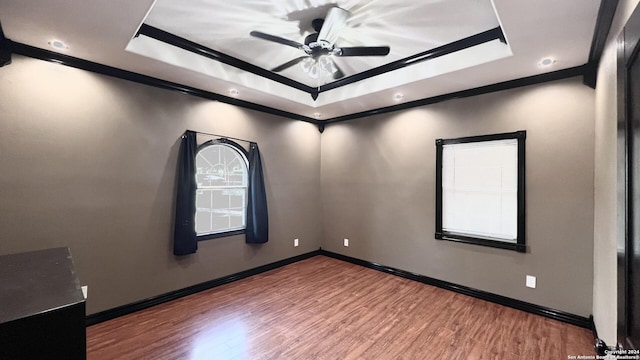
x=531 y=281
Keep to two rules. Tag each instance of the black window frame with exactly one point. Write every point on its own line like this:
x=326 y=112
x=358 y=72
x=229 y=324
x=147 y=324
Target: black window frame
x=245 y=153
x=519 y=245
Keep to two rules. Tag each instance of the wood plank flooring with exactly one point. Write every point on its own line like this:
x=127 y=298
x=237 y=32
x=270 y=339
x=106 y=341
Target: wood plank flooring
x=323 y=308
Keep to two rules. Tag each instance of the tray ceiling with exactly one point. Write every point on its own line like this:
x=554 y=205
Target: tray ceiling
x=108 y=32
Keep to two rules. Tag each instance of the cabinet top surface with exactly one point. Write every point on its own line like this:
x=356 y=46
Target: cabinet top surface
x=36 y=282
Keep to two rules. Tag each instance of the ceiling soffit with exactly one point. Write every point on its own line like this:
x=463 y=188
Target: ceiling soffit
x=212 y=38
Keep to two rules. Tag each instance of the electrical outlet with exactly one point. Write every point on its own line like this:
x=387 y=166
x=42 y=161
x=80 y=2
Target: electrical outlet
x=346 y=242
x=296 y=242
x=531 y=281
x=85 y=290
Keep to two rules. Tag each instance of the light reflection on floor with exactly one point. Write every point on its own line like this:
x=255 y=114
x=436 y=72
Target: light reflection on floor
x=226 y=340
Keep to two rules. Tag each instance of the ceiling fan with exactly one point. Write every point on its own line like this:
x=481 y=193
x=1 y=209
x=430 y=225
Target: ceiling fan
x=320 y=46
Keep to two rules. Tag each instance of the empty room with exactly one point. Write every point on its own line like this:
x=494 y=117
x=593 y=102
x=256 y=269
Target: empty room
x=315 y=179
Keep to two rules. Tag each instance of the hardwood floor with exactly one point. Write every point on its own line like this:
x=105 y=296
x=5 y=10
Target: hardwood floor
x=323 y=308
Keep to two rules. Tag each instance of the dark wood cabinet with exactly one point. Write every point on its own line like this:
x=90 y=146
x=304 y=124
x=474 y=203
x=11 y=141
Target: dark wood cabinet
x=42 y=308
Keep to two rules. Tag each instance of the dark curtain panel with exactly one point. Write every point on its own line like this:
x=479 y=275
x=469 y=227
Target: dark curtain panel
x=184 y=237
x=257 y=231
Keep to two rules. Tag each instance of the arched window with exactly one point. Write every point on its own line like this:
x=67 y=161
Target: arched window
x=222 y=185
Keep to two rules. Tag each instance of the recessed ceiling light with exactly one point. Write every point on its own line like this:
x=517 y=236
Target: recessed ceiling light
x=234 y=92
x=546 y=62
x=58 y=44
x=317 y=115
x=398 y=96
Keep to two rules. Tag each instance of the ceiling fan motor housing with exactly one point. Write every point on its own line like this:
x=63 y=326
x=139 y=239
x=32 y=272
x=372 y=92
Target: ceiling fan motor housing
x=311 y=38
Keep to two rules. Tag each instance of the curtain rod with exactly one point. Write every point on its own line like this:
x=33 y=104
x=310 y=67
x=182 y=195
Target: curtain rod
x=222 y=136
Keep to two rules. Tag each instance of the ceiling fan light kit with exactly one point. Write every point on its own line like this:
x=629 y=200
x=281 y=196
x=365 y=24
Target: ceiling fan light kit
x=317 y=67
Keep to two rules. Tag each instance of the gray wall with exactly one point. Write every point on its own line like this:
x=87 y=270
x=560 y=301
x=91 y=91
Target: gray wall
x=378 y=190
x=88 y=161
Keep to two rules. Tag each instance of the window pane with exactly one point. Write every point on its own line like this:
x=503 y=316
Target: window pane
x=479 y=189
x=221 y=199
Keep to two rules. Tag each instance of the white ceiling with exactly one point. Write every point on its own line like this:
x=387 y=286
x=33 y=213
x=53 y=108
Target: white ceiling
x=104 y=32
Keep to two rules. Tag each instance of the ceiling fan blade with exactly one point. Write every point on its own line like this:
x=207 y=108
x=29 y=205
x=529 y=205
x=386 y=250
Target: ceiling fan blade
x=363 y=51
x=277 y=39
x=288 y=64
x=333 y=24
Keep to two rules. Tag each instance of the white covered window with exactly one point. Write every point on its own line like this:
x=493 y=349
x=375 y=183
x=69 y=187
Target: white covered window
x=222 y=185
x=480 y=196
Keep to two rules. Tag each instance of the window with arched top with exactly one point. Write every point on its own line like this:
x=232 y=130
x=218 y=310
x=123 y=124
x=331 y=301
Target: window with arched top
x=222 y=179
